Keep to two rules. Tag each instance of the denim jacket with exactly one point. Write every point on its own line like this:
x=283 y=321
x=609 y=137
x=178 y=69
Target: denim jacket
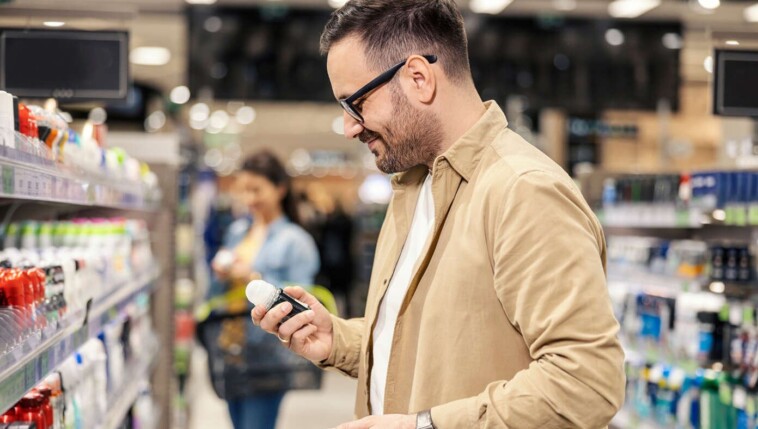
x=288 y=255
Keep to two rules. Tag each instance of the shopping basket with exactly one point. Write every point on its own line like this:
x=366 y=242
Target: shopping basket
x=244 y=360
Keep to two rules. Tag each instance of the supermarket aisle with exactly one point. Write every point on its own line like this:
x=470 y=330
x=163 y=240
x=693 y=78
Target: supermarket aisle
x=322 y=409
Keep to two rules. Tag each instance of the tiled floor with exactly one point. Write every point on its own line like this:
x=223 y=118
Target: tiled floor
x=322 y=409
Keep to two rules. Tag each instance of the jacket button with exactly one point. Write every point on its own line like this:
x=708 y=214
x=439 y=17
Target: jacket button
x=385 y=281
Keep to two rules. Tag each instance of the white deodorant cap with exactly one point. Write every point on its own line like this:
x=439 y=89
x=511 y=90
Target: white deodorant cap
x=261 y=293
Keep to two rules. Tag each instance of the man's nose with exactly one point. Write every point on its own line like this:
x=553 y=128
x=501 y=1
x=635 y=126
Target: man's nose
x=353 y=128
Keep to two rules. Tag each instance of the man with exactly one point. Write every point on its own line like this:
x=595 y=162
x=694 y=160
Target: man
x=487 y=305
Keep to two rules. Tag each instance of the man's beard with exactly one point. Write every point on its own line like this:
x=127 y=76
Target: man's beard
x=413 y=138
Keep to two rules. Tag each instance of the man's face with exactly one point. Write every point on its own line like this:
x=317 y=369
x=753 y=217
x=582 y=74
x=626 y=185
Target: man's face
x=399 y=134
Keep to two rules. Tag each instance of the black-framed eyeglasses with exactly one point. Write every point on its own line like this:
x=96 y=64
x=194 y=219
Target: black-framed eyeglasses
x=347 y=103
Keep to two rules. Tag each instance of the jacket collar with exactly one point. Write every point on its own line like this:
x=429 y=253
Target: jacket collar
x=464 y=155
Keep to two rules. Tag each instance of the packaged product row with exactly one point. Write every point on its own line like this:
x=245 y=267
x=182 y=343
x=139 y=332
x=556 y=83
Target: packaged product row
x=729 y=197
x=83 y=391
x=692 y=360
x=714 y=261
x=51 y=270
x=43 y=136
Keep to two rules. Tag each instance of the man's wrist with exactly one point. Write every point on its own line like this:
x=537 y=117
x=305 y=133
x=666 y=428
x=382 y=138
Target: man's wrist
x=424 y=420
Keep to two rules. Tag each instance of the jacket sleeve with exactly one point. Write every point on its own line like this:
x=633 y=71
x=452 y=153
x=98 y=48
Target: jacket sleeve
x=548 y=259
x=345 y=356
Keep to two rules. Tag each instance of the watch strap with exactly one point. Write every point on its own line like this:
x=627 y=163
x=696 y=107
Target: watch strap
x=424 y=420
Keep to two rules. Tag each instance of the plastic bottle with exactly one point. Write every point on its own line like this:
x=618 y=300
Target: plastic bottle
x=57 y=401
x=9 y=416
x=47 y=406
x=16 y=295
x=30 y=410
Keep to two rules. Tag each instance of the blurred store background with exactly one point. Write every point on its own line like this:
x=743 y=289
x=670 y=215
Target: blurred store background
x=651 y=105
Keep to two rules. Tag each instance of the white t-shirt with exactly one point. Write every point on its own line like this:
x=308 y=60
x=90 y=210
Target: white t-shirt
x=423 y=223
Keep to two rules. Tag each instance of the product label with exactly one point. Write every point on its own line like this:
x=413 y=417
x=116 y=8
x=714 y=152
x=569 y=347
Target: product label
x=740 y=398
x=753 y=214
x=750 y=405
x=725 y=394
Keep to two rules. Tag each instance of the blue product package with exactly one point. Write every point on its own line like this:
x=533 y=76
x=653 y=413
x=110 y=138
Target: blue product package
x=747 y=187
x=723 y=185
x=697 y=182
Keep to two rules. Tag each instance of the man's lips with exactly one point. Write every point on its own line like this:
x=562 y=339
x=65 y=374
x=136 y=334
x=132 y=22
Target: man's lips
x=372 y=144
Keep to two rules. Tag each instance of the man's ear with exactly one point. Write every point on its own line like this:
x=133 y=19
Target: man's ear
x=420 y=79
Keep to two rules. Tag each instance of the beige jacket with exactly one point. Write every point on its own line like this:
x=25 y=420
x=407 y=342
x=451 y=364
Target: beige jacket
x=507 y=322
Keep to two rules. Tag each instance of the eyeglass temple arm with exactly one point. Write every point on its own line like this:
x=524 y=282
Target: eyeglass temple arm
x=384 y=77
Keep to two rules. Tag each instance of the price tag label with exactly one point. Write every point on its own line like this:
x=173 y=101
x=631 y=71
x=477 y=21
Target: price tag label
x=11 y=389
x=682 y=219
x=9 y=180
x=753 y=214
x=31 y=373
x=44 y=363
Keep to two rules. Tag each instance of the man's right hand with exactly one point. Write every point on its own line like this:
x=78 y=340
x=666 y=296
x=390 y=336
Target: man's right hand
x=308 y=334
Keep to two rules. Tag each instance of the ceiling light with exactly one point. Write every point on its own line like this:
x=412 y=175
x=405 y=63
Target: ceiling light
x=201 y=1
x=733 y=43
x=199 y=112
x=708 y=64
x=150 y=56
x=564 y=5
x=672 y=41
x=180 y=95
x=155 y=121
x=219 y=119
x=614 y=37
x=717 y=287
x=337 y=3
x=492 y=7
x=751 y=13
x=54 y=23
x=709 y=4
x=631 y=8
x=245 y=115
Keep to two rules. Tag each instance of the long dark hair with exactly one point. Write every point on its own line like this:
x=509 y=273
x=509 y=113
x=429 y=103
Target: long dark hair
x=265 y=163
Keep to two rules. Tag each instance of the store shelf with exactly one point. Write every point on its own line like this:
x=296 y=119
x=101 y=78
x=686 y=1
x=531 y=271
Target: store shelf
x=26 y=366
x=644 y=216
x=124 y=397
x=26 y=177
x=670 y=286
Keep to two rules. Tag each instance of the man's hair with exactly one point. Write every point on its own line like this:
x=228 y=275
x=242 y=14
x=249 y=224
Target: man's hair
x=392 y=30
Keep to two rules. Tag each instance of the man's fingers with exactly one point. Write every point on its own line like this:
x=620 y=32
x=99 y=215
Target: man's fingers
x=296 y=323
x=301 y=295
x=272 y=319
x=301 y=336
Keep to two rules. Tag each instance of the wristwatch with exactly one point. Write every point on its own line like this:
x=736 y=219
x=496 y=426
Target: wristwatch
x=424 y=420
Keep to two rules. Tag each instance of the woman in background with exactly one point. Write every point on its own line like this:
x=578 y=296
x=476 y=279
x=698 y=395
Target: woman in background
x=268 y=244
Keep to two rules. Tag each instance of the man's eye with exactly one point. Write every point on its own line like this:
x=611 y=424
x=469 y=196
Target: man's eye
x=358 y=106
